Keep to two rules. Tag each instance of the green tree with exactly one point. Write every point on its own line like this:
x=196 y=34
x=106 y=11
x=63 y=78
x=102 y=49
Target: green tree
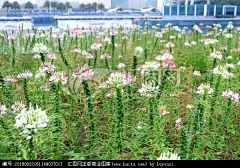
x=15 y=5
x=82 y=6
x=7 y=5
x=61 y=7
x=88 y=7
x=101 y=6
x=94 y=6
x=47 y=5
x=54 y=5
x=28 y=5
x=68 y=5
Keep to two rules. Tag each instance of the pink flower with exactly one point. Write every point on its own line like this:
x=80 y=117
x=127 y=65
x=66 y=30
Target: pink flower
x=83 y=72
x=110 y=94
x=201 y=24
x=58 y=76
x=124 y=38
x=105 y=55
x=3 y=109
x=224 y=47
x=163 y=110
x=136 y=20
x=185 y=27
x=56 y=44
x=164 y=51
x=123 y=32
x=169 y=63
x=189 y=31
x=178 y=121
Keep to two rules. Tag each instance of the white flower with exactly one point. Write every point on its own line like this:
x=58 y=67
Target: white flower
x=151 y=65
x=39 y=48
x=138 y=50
x=26 y=132
x=229 y=57
x=148 y=90
x=193 y=43
x=25 y=74
x=216 y=54
x=189 y=106
x=121 y=65
x=204 y=88
x=197 y=73
x=95 y=46
x=182 y=67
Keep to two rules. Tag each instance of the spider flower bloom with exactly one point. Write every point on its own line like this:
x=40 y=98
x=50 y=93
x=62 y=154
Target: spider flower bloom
x=148 y=90
x=18 y=106
x=197 y=73
x=178 y=121
x=222 y=71
x=51 y=56
x=151 y=65
x=76 y=51
x=124 y=38
x=31 y=118
x=170 y=44
x=58 y=76
x=46 y=67
x=83 y=72
x=95 y=46
x=10 y=79
x=204 y=88
x=163 y=110
x=223 y=47
x=216 y=54
x=136 y=19
x=229 y=94
x=169 y=156
x=123 y=32
x=89 y=56
x=25 y=74
x=118 y=78
x=168 y=63
x=165 y=56
x=110 y=94
x=3 y=109
x=105 y=55
x=12 y=38
x=39 y=48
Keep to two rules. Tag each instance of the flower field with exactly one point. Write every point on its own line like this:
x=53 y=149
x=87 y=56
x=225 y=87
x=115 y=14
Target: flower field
x=154 y=93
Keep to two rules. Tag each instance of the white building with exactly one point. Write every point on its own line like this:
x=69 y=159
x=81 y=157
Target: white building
x=137 y=4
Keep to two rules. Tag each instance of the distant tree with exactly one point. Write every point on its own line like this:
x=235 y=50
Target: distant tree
x=82 y=6
x=226 y=2
x=68 y=5
x=101 y=6
x=61 y=7
x=7 y=5
x=28 y=5
x=54 y=5
x=47 y=5
x=94 y=6
x=15 y=5
x=88 y=7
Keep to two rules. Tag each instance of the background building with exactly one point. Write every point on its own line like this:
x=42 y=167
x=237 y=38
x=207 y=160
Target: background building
x=120 y=3
x=137 y=4
x=151 y=4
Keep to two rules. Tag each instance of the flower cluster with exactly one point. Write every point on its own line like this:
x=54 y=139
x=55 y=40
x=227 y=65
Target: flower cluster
x=25 y=74
x=18 y=106
x=32 y=118
x=204 y=88
x=83 y=72
x=151 y=65
x=46 y=67
x=118 y=78
x=165 y=56
x=58 y=76
x=197 y=73
x=10 y=79
x=168 y=63
x=51 y=56
x=39 y=48
x=216 y=54
x=230 y=94
x=148 y=90
x=105 y=55
x=162 y=110
x=178 y=121
x=95 y=46
x=222 y=71
x=3 y=109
